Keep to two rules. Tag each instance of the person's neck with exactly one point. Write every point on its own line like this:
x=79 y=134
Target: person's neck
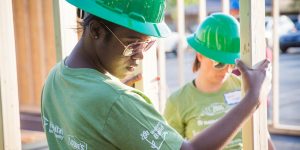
x=80 y=58
x=205 y=85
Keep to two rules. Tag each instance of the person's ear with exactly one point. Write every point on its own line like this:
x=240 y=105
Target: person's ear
x=199 y=56
x=95 y=29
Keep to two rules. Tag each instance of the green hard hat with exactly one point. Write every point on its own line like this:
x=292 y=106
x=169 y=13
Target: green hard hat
x=217 y=38
x=143 y=16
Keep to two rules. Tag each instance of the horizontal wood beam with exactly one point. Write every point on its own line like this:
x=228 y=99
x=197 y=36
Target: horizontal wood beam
x=284 y=129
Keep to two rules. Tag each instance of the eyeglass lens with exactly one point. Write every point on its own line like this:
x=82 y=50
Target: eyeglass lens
x=136 y=47
x=132 y=48
x=219 y=65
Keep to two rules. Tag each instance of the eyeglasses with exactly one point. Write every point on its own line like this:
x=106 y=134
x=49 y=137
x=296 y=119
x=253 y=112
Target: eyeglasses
x=220 y=66
x=133 y=48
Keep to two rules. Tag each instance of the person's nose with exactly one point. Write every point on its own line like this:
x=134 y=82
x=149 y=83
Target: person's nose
x=139 y=55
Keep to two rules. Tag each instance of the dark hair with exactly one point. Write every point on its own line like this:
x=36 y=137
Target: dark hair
x=196 y=64
x=84 y=21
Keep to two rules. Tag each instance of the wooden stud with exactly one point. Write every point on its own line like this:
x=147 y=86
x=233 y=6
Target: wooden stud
x=284 y=129
x=33 y=26
x=23 y=51
x=9 y=103
x=50 y=55
x=57 y=30
x=226 y=6
x=37 y=47
x=202 y=10
x=150 y=81
x=275 y=127
x=180 y=48
x=162 y=75
x=253 y=51
x=275 y=67
x=65 y=23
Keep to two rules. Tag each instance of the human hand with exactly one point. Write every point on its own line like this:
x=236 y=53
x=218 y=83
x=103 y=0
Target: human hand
x=132 y=79
x=256 y=81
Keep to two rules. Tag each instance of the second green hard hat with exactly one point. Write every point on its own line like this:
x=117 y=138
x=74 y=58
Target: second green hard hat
x=144 y=16
x=217 y=38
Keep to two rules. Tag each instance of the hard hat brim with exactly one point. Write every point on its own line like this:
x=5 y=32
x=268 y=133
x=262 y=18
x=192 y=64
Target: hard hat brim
x=148 y=28
x=219 y=56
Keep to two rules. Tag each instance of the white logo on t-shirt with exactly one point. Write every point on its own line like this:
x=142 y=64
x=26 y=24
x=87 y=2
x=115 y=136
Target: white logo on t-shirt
x=206 y=122
x=157 y=137
x=214 y=109
x=53 y=128
x=77 y=144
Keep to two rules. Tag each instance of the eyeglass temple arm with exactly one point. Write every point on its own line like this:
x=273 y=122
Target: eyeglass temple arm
x=113 y=34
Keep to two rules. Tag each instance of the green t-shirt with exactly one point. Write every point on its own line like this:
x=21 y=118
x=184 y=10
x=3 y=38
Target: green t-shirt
x=85 y=109
x=190 y=111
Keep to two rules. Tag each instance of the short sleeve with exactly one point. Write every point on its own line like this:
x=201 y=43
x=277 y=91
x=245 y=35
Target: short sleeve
x=134 y=124
x=172 y=116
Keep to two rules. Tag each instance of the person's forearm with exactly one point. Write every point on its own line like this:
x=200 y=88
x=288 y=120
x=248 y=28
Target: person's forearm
x=216 y=136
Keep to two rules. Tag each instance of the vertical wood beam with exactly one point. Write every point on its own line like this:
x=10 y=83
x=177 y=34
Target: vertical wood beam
x=253 y=51
x=23 y=52
x=65 y=23
x=226 y=6
x=57 y=30
x=10 y=136
x=35 y=50
x=149 y=83
x=37 y=43
x=275 y=67
x=180 y=48
x=48 y=19
x=162 y=75
x=202 y=10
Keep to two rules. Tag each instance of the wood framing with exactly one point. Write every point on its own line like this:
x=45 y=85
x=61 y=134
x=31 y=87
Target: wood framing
x=9 y=103
x=180 y=48
x=275 y=64
x=226 y=6
x=65 y=24
x=202 y=10
x=57 y=30
x=252 y=15
x=284 y=129
x=162 y=84
x=35 y=49
x=150 y=80
x=275 y=127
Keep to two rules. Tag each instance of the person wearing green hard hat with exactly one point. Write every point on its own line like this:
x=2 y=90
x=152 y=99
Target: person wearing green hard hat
x=86 y=106
x=218 y=38
x=215 y=90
